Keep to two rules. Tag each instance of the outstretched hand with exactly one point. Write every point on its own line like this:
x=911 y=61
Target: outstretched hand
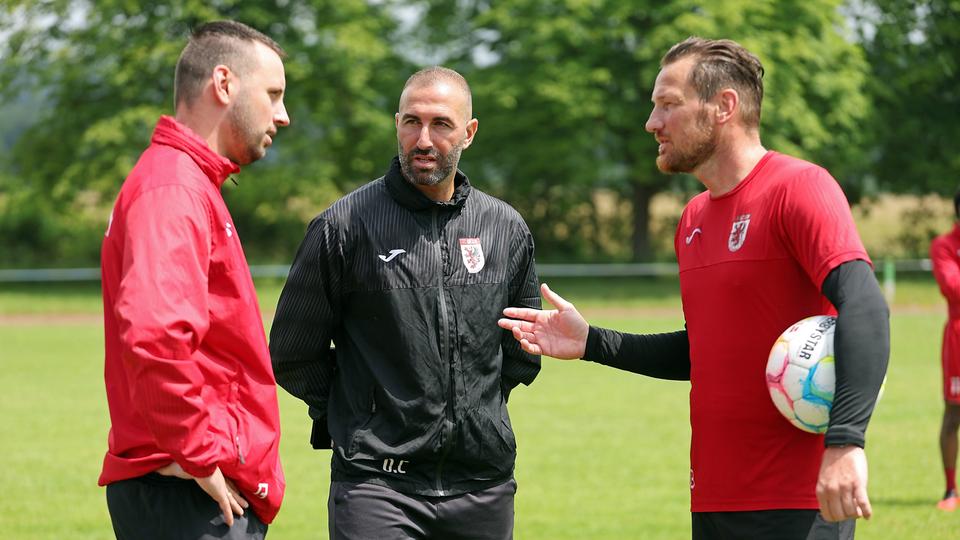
x=560 y=333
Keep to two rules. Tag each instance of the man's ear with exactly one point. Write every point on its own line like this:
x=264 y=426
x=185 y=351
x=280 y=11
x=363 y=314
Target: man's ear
x=224 y=85
x=471 y=129
x=727 y=101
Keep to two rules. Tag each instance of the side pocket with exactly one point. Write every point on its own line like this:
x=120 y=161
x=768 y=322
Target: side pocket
x=364 y=426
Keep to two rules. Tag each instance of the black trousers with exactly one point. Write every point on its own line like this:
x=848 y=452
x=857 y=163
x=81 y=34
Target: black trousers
x=769 y=525
x=364 y=511
x=168 y=508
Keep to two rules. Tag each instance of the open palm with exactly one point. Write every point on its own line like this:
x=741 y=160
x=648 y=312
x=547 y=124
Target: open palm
x=560 y=333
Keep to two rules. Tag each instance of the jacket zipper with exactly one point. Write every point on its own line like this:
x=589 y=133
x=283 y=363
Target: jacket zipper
x=236 y=438
x=240 y=452
x=444 y=354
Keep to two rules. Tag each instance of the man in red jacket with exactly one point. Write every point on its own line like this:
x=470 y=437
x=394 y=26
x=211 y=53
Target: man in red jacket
x=193 y=449
x=945 y=256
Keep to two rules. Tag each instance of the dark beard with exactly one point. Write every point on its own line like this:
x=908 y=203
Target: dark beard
x=446 y=164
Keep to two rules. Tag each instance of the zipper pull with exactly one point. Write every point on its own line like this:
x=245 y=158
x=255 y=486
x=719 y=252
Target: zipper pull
x=240 y=452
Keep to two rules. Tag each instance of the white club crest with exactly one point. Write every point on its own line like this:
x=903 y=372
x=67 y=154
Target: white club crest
x=472 y=253
x=738 y=233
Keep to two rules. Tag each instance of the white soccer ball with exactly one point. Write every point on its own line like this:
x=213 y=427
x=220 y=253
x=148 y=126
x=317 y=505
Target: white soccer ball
x=800 y=373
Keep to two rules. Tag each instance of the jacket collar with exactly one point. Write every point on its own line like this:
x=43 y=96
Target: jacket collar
x=412 y=198
x=171 y=133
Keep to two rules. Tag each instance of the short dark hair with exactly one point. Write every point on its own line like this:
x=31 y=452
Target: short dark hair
x=434 y=74
x=213 y=44
x=723 y=63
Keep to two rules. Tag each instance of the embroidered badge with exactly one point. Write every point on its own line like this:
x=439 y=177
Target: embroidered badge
x=738 y=233
x=472 y=253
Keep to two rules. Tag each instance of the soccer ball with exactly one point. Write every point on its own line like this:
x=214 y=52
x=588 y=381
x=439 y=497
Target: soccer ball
x=800 y=373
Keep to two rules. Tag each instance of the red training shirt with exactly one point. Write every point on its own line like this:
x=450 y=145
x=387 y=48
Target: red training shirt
x=945 y=256
x=752 y=262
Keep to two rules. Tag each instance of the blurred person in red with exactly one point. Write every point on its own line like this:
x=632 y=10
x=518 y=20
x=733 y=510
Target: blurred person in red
x=945 y=256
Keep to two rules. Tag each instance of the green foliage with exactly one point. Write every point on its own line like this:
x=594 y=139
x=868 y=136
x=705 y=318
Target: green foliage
x=105 y=71
x=562 y=92
x=912 y=47
x=561 y=88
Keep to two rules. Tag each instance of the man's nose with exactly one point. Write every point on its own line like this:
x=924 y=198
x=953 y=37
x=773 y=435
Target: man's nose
x=281 y=118
x=653 y=123
x=424 y=141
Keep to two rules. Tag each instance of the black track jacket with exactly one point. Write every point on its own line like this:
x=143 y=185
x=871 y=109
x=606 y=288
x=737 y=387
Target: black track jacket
x=409 y=290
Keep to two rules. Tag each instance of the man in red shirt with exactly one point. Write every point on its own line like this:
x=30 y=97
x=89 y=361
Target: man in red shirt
x=770 y=242
x=195 y=427
x=945 y=256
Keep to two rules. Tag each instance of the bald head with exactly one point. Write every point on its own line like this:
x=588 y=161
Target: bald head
x=439 y=75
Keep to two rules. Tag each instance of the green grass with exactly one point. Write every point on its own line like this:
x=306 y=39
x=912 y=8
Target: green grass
x=603 y=453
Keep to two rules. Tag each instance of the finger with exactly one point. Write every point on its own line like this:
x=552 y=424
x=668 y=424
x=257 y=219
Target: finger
x=236 y=493
x=555 y=298
x=849 y=506
x=864 y=508
x=530 y=347
x=510 y=324
x=226 y=510
x=525 y=314
x=835 y=509
x=824 y=502
x=520 y=335
x=235 y=503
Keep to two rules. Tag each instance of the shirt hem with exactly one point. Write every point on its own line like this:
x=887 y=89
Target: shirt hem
x=749 y=506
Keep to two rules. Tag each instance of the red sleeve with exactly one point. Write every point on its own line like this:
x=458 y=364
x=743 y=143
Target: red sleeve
x=161 y=307
x=818 y=224
x=946 y=269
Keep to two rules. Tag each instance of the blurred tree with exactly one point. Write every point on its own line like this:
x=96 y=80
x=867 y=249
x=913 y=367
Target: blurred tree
x=105 y=70
x=914 y=51
x=562 y=90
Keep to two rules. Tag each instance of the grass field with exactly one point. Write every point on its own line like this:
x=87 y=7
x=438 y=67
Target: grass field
x=603 y=453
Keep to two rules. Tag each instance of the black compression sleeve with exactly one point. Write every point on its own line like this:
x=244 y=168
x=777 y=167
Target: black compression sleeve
x=861 y=347
x=662 y=356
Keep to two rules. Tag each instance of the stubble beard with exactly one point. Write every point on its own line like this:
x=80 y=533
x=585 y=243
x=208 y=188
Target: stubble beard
x=702 y=148
x=247 y=136
x=446 y=164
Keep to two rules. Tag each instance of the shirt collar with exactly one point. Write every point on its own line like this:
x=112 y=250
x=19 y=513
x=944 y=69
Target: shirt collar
x=171 y=133
x=409 y=196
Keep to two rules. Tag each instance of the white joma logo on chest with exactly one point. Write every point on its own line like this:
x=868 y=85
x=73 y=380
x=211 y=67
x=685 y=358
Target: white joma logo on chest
x=393 y=254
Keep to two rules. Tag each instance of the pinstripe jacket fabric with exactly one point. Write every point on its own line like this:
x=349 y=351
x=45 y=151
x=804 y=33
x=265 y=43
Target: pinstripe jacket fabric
x=409 y=291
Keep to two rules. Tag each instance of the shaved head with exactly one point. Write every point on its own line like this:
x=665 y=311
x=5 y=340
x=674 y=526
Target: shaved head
x=436 y=75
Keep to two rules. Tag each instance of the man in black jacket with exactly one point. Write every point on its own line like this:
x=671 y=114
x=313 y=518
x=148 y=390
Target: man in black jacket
x=407 y=277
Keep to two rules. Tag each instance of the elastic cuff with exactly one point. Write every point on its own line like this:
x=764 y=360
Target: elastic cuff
x=593 y=343
x=842 y=436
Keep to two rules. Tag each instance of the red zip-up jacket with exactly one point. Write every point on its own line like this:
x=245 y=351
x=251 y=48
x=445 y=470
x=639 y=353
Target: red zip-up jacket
x=187 y=368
